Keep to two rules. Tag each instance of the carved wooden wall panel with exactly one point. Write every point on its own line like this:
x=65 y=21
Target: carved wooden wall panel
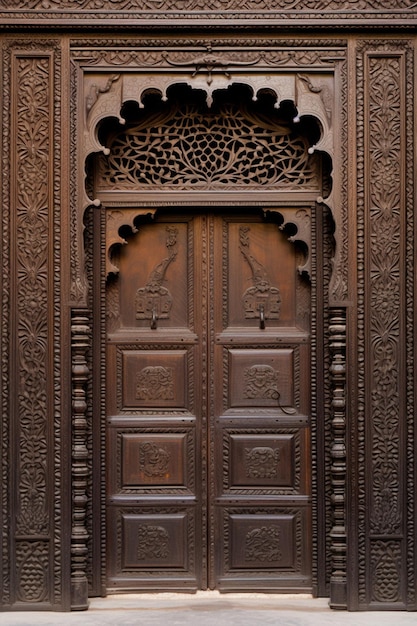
x=386 y=323
x=373 y=555
x=34 y=502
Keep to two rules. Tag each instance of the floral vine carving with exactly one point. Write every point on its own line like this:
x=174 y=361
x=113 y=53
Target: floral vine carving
x=31 y=156
x=33 y=145
x=385 y=288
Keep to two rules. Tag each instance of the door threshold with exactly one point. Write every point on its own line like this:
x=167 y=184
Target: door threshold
x=147 y=600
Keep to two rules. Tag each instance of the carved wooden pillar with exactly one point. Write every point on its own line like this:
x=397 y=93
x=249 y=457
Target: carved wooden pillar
x=80 y=333
x=337 y=334
x=385 y=426
x=34 y=522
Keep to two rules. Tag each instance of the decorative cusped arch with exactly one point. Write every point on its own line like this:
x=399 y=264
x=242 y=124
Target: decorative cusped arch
x=309 y=96
x=105 y=96
x=310 y=83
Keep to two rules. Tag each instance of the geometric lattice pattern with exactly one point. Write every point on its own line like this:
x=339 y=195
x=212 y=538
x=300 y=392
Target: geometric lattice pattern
x=189 y=148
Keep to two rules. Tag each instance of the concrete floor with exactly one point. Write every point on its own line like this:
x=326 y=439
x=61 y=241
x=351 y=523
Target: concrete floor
x=209 y=608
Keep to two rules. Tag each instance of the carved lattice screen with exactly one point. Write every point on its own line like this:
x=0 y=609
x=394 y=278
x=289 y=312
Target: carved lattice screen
x=186 y=147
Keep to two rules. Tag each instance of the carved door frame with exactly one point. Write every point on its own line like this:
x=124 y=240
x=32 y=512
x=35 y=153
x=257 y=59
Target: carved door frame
x=102 y=83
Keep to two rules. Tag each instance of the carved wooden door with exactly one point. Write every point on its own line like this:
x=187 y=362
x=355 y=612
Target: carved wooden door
x=208 y=408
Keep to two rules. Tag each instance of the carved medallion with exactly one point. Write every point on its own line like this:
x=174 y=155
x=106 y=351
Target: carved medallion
x=153 y=301
x=261 y=381
x=261 y=296
x=155 y=383
x=261 y=462
x=152 y=542
x=153 y=461
x=263 y=544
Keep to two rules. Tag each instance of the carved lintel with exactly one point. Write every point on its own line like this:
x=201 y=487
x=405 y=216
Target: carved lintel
x=338 y=545
x=209 y=62
x=80 y=343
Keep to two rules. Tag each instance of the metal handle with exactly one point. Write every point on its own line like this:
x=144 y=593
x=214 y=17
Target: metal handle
x=154 y=320
x=261 y=316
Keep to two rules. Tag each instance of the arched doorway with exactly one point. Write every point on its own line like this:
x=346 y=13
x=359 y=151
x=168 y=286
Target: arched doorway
x=208 y=344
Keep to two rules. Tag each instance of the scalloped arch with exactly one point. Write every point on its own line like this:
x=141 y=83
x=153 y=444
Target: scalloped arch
x=106 y=93
x=312 y=95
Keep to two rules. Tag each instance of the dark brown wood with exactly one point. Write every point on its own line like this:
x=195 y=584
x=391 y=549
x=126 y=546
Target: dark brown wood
x=63 y=90
x=81 y=341
x=337 y=331
x=208 y=437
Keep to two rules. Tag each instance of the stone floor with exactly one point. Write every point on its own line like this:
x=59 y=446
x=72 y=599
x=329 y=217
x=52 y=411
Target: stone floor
x=209 y=608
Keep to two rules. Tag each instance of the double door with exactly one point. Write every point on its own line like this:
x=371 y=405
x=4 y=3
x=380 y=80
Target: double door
x=208 y=456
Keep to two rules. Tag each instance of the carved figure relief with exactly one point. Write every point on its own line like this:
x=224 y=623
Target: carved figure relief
x=263 y=544
x=187 y=147
x=153 y=461
x=261 y=462
x=152 y=542
x=261 y=381
x=155 y=382
x=261 y=296
x=153 y=301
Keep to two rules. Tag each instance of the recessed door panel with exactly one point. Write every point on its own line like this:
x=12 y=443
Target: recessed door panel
x=208 y=408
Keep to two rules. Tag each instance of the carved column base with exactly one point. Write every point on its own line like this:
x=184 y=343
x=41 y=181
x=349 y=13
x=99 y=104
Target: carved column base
x=338 y=584
x=79 y=594
x=338 y=596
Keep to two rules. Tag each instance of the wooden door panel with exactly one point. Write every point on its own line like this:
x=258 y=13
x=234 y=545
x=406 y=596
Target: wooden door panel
x=265 y=461
x=153 y=461
x=261 y=378
x=154 y=378
x=154 y=276
x=264 y=549
x=156 y=548
x=155 y=508
x=259 y=260
x=208 y=408
x=261 y=423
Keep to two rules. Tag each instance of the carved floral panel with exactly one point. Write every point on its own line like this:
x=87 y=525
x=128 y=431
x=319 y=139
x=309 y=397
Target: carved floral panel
x=385 y=540
x=31 y=145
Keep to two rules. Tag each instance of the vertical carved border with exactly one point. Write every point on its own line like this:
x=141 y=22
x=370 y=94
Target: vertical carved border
x=79 y=287
x=410 y=254
x=32 y=570
x=385 y=409
x=6 y=458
